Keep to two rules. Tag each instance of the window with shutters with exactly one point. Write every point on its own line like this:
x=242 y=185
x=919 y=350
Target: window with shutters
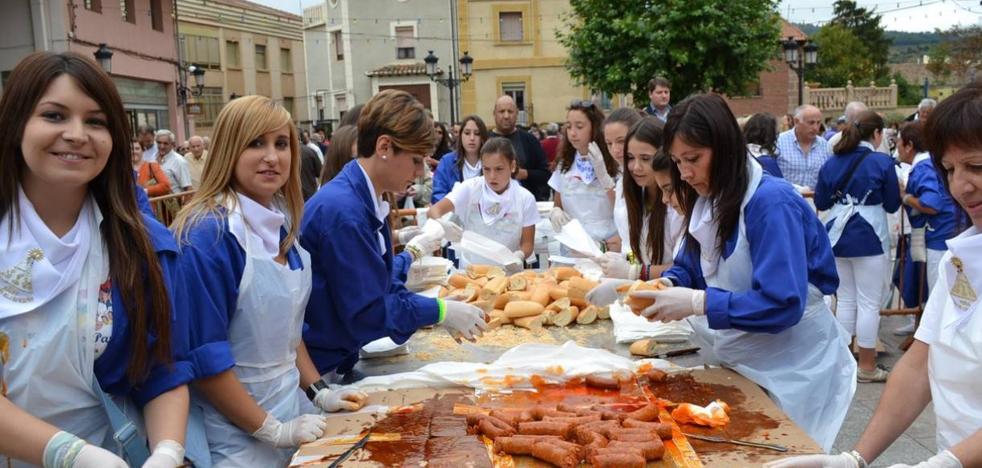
x=288 y=105
x=338 y=45
x=157 y=15
x=510 y=26
x=261 y=57
x=202 y=51
x=128 y=11
x=286 y=61
x=93 y=5
x=405 y=42
x=232 y=57
x=212 y=100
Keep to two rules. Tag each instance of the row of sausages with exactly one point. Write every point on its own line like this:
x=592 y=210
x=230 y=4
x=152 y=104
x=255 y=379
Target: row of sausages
x=565 y=435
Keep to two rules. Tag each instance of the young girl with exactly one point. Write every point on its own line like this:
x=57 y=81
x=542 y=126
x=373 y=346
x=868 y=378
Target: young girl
x=654 y=218
x=858 y=187
x=494 y=206
x=465 y=162
x=584 y=177
x=616 y=126
x=249 y=282
x=70 y=229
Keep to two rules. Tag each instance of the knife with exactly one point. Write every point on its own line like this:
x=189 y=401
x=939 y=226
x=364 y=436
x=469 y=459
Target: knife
x=779 y=448
x=347 y=453
x=677 y=352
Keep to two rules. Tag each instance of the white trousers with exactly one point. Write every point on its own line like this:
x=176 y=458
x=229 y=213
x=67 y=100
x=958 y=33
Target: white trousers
x=860 y=294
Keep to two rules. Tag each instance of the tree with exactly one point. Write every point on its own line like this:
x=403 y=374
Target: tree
x=841 y=57
x=865 y=25
x=699 y=45
x=960 y=55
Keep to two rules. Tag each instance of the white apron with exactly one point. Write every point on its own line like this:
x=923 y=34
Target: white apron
x=620 y=214
x=875 y=215
x=264 y=334
x=506 y=229
x=955 y=357
x=807 y=369
x=50 y=369
x=589 y=204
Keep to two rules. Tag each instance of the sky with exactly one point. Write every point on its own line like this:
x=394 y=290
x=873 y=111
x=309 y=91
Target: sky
x=898 y=15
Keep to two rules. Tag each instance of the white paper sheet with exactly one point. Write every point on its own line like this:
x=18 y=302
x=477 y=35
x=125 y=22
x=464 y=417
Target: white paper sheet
x=629 y=328
x=575 y=237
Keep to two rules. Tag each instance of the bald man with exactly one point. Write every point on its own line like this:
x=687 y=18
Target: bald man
x=802 y=151
x=853 y=108
x=533 y=170
x=196 y=156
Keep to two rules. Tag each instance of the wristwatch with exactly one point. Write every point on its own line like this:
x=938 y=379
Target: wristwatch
x=315 y=387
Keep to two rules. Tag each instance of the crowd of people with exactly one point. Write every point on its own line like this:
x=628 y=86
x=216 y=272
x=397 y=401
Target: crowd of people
x=222 y=337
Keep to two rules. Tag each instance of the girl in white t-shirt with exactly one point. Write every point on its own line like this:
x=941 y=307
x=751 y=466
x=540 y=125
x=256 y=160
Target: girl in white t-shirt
x=494 y=206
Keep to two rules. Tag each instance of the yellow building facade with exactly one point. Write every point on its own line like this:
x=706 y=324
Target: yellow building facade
x=516 y=52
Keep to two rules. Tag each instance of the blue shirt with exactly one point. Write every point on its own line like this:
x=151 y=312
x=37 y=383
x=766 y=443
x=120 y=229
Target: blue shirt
x=110 y=367
x=789 y=250
x=925 y=184
x=212 y=261
x=875 y=180
x=800 y=168
x=769 y=163
x=356 y=297
x=447 y=174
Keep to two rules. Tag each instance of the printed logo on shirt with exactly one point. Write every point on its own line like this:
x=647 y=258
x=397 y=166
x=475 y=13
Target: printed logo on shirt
x=103 y=317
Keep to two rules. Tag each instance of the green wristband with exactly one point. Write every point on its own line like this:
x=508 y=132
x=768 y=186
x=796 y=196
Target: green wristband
x=443 y=310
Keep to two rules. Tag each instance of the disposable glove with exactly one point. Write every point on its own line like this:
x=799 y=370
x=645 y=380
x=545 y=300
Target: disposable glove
x=558 y=218
x=333 y=401
x=673 y=303
x=407 y=233
x=66 y=449
x=944 y=459
x=452 y=231
x=605 y=293
x=842 y=460
x=463 y=320
x=599 y=166
x=615 y=265
x=300 y=430
x=97 y=457
x=426 y=242
x=167 y=454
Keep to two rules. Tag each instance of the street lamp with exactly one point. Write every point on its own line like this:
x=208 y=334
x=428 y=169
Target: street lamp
x=105 y=57
x=799 y=55
x=198 y=75
x=466 y=68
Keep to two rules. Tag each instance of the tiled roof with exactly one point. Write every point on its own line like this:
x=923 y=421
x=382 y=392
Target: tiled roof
x=788 y=29
x=402 y=69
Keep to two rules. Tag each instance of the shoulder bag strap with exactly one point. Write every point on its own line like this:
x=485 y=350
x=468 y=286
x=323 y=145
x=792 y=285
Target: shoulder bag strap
x=125 y=433
x=838 y=194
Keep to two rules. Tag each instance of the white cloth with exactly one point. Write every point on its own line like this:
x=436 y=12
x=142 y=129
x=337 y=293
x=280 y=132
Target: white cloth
x=50 y=369
x=36 y=265
x=495 y=205
x=807 y=369
x=933 y=267
x=381 y=209
x=518 y=210
x=587 y=202
x=249 y=218
x=860 y=294
x=150 y=154
x=954 y=337
x=468 y=171
x=620 y=214
x=842 y=211
x=177 y=171
x=264 y=334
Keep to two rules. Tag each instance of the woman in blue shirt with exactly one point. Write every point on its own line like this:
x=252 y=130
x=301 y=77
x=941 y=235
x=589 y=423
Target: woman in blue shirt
x=857 y=204
x=248 y=284
x=453 y=168
x=85 y=304
x=356 y=298
x=752 y=271
x=761 y=135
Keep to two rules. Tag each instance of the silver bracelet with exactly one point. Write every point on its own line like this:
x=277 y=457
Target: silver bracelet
x=859 y=458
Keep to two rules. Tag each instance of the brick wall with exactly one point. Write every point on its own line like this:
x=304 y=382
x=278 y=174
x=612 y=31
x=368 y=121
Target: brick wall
x=779 y=93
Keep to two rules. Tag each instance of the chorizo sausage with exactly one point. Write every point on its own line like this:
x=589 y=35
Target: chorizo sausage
x=545 y=428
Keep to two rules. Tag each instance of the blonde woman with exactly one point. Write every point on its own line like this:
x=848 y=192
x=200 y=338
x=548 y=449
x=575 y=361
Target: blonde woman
x=249 y=282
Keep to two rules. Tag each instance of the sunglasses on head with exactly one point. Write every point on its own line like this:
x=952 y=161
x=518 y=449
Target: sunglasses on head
x=581 y=104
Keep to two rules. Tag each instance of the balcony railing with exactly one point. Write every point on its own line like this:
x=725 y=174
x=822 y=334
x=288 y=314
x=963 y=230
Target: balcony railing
x=835 y=99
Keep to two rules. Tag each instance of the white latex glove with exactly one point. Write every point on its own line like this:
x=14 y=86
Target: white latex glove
x=463 y=320
x=558 y=218
x=605 y=293
x=615 y=265
x=842 y=460
x=599 y=166
x=167 y=454
x=407 y=233
x=673 y=303
x=518 y=266
x=333 y=401
x=452 y=232
x=427 y=241
x=300 y=430
x=97 y=457
x=944 y=459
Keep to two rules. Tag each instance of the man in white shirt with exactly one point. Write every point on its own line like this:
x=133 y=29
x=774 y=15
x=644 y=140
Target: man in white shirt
x=196 y=157
x=174 y=165
x=145 y=135
x=802 y=152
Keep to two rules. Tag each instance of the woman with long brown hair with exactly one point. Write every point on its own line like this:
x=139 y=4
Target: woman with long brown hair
x=84 y=300
x=616 y=126
x=464 y=162
x=250 y=281
x=583 y=182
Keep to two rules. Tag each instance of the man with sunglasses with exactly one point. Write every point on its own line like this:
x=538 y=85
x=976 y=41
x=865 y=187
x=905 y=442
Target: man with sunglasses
x=533 y=170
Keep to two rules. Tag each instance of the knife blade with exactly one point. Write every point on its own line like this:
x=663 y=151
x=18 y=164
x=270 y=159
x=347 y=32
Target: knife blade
x=354 y=448
x=677 y=352
x=723 y=440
